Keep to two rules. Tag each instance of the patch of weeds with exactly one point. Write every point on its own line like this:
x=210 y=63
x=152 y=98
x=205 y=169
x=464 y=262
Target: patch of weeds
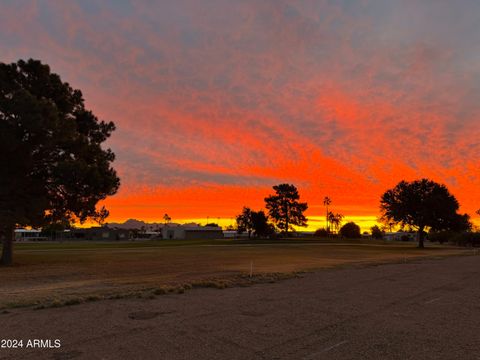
x=56 y=303
x=178 y=290
x=239 y=280
x=116 y=296
x=17 y=305
x=162 y=290
x=74 y=301
x=216 y=284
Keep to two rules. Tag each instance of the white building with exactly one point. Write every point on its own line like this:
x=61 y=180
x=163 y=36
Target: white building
x=191 y=232
x=29 y=235
x=399 y=236
x=233 y=234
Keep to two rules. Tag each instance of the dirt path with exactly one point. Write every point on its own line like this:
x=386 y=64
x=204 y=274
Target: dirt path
x=421 y=310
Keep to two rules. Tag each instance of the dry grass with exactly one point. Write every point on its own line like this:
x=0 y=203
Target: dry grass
x=46 y=275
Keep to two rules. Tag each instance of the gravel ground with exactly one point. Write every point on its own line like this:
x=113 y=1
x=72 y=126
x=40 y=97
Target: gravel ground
x=417 y=310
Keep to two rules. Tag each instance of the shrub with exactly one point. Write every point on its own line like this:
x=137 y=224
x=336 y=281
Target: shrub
x=442 y=236
x=321 y=232
x=377 y=233
x=467 y=239
x=350 y=230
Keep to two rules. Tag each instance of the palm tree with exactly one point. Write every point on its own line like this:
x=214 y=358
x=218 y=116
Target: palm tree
x=326 y=202
x=167 y=219
x=338 y=221
x=335 y=220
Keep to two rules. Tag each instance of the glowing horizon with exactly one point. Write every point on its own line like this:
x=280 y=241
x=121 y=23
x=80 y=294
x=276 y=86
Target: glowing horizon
x=314 y=223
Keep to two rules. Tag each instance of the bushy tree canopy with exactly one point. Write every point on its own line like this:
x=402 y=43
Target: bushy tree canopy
x=53 y=166
x=254 y=222
x=212 y=224
x=284 y=207
x=422 y=204
x=377 y=233
x=245 y=221
x=261 y=226
x=322 y=232
x=350 y=230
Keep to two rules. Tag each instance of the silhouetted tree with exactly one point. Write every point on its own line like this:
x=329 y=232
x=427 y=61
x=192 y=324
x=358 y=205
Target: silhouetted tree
x=321 y=232
x=261 y=226
x=245 y=221
x=350 y=230
x=326 y=202
x=52 y=164
x=377 y=233
x=421 y=204
x=167 y=219
x=335 y=220
x=284 y=207
x=212 y=224
x=460 y=223
x=254 y=222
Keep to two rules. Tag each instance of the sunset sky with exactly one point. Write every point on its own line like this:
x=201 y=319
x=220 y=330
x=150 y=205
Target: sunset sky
x=216 y=101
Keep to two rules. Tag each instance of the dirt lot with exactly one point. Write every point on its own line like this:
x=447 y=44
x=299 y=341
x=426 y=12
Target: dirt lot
x=54 y=274
x=424 y=309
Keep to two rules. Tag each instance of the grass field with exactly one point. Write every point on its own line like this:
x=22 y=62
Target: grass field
x=53 y=274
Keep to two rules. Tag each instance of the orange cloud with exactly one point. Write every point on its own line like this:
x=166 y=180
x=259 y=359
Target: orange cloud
x=215 y=104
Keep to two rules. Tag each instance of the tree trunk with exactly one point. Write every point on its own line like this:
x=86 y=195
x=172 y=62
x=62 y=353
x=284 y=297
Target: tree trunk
x=420 y=238
x=7 y=248
x=327 y=225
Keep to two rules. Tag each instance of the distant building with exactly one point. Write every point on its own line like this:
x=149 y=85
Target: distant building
x=148 y=235
x=399 y=236
x=233 y=234
x=301 y=234
x=29 y=235
x=105 y=233
x=191 y=232
x=98 y=233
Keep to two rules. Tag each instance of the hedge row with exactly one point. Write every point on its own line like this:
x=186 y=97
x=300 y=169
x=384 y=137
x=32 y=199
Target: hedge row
x=460 y=239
